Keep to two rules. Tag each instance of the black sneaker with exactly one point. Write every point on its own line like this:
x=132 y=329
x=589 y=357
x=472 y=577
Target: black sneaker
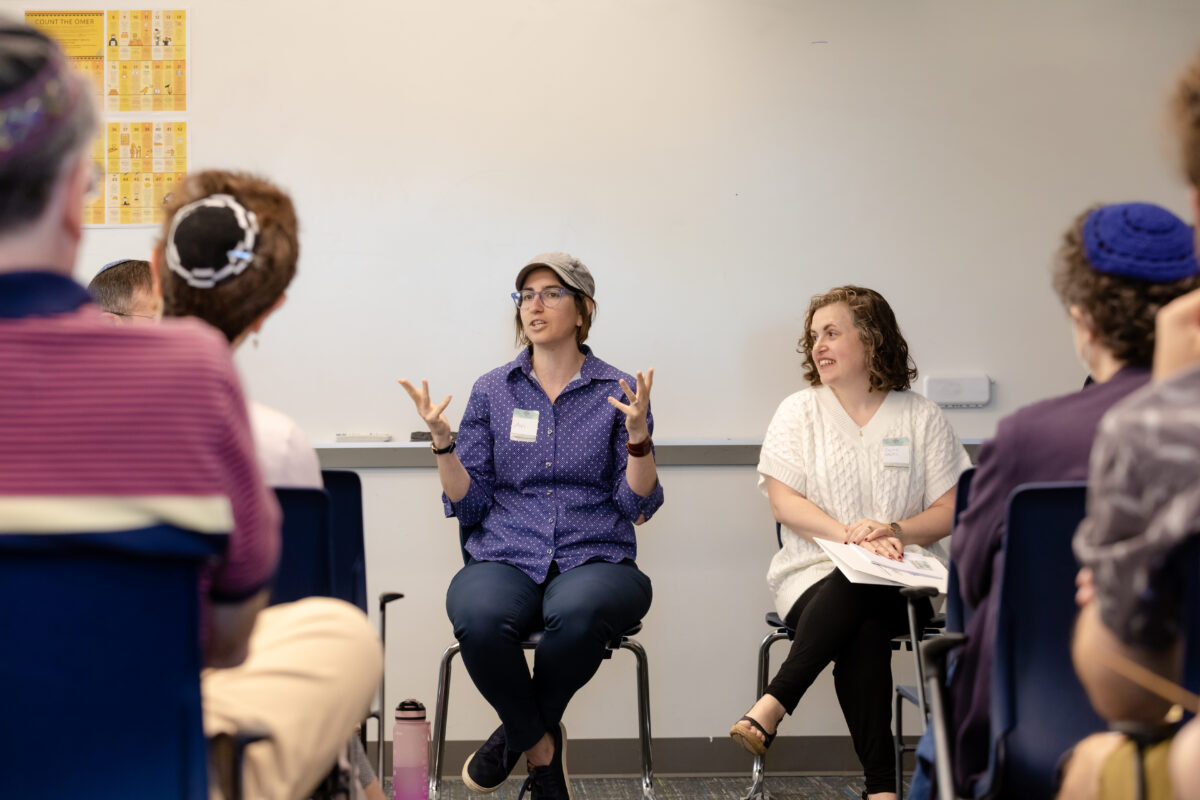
x=550 y=782
x=488 y=767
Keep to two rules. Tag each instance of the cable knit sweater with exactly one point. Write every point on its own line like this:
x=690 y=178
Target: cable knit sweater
x=813 y=446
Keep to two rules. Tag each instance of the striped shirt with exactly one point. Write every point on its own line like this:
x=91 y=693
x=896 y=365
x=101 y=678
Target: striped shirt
x=151 y=416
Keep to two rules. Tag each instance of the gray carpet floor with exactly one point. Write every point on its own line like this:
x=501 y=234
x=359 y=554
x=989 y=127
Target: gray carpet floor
x=781 y=788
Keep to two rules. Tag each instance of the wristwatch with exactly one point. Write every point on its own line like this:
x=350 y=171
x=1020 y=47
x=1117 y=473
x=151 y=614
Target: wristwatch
x=447 y=449
x=895 y=526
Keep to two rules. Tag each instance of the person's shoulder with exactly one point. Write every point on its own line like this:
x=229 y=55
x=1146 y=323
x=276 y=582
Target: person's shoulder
x=197 y=341
x=495 y=377
x=1146 y=408
x=598 y=369
x=917 y=403
x=799 y=405
x=1072 y=410
x=187 y=349
x=266 y=418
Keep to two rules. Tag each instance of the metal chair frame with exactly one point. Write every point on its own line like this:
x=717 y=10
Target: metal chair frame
x=624 y=642
x=758 y=789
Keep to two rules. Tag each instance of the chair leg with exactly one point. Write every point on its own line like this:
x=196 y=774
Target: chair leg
x=758 y=787
x=643 y=693
x=899 y=746
x=439 y=723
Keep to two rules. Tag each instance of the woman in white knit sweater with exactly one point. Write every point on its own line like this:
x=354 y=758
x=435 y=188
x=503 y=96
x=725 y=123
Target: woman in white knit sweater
x=857 y=458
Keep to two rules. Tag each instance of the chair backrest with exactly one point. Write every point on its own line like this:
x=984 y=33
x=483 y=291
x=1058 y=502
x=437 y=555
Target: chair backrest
x=1039 y=708
x=307 y=558
x=349 y=552
x=101 y=643
x=957 y=612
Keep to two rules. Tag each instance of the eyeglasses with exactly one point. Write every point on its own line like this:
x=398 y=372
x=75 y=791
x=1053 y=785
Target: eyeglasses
x=550 y=297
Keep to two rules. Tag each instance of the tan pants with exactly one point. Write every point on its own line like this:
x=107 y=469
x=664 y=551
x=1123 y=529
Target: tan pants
x=313 y=668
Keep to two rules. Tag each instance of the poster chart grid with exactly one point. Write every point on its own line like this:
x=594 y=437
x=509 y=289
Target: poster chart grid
x=136 y=65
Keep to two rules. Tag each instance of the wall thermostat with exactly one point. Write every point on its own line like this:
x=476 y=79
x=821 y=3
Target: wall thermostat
x=964 y=391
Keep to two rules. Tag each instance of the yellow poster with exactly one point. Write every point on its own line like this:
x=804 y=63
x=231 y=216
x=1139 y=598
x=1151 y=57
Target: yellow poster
x=147 y=54
x=145 y=161
x=135 y=61
x=81 y=36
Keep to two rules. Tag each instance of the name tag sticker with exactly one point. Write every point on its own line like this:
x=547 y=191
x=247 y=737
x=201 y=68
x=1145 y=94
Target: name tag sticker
x=897 y=453
x=524 y=426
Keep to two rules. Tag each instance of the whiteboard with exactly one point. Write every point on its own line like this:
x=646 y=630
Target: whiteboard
x=714 y=162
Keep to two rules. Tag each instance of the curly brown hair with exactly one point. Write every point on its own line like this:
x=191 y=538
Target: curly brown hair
x=233 y=305
x=889 y=365
x=1185 y=111
x=1120 y=309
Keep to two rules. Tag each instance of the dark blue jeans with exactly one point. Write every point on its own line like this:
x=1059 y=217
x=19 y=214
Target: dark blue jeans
x=494 y=606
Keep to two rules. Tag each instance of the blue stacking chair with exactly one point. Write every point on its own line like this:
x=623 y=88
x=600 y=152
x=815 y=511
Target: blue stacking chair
x=306 y=561
x=624 y=642
x=349 y=575
x=1039 y=709
x=915 y=694
x=349 y=553
x=102 y=629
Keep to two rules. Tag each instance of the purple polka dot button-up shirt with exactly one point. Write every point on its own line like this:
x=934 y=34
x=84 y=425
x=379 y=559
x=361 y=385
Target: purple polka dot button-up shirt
x=561 y=497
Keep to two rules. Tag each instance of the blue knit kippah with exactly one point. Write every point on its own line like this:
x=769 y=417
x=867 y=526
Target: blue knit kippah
x=1140 y=240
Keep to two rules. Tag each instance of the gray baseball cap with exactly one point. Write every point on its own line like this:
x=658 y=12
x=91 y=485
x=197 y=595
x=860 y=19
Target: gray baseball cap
x=567 y=267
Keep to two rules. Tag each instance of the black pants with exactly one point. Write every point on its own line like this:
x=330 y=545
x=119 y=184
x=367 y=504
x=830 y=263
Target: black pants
x=852 y=625
x=493 y=606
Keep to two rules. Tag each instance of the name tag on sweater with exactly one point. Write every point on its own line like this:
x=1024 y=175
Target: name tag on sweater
x=897 y=453
x=524 y=426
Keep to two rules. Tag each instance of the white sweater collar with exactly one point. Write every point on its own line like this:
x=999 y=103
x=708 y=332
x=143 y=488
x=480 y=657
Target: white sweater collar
x=871 y=433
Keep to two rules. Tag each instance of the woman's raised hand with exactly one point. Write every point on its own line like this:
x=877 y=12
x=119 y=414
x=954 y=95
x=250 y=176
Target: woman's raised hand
x=434 y=416
x=638 y=407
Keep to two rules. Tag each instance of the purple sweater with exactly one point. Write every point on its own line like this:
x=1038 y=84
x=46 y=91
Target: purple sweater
x=1047 y=441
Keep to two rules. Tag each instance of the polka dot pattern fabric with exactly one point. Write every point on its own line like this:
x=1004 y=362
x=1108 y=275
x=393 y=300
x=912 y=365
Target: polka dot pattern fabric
x=561 y=497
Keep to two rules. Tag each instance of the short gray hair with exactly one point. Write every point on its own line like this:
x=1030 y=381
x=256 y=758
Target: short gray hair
x=28 y=177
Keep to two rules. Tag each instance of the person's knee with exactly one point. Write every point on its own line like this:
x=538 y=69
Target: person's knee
x=1081 y=775
x=582 y=622
x=481 y=625
x=1185 y=762
x=346 y=628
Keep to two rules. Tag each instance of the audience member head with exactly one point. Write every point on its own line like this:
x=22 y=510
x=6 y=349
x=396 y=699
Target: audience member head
x=1185 y=111
x=569 y=273
x=884 y=353
x=125 y=290
x=46 y=126
x=228 y=251
x=1116 y=267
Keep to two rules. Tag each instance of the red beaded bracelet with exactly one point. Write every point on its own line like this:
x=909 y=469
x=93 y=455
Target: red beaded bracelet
x=638 y=450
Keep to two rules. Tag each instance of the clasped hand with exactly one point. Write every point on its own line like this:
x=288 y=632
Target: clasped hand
x=638 y=407
x=875 y=537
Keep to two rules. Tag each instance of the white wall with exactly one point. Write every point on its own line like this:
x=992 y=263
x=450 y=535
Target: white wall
x=712 y=164
x=715 y=165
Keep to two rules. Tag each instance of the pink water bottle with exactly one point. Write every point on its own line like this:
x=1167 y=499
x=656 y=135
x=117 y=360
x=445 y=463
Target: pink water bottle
x=410 y=752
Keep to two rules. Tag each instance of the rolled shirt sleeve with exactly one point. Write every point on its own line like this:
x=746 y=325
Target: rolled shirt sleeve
x=632 y=505
x=474 y=447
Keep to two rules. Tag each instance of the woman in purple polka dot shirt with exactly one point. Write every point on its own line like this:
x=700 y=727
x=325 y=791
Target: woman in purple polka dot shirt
x=552 y=469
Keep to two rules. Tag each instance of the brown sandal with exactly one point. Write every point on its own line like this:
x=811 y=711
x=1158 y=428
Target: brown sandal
x=748 y=740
